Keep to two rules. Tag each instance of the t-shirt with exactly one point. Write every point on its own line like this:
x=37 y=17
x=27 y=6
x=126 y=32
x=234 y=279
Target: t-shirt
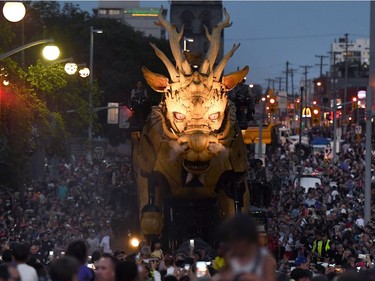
x=105 y=245
x=85 y=273
x=157 y=254
x=360 y=222
x=27 y=273
x=93 y=245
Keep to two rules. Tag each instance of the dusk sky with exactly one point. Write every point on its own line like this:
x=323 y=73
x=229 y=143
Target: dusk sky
x=273 y=32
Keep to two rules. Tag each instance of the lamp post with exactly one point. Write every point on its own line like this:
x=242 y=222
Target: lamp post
x=92 y=31
x=260 y=139
x=50 y=52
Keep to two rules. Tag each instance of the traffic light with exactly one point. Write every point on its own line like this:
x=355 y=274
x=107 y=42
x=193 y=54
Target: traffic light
x=297 y=104
x=354 y=103
x=272 y=104
x=315 y=117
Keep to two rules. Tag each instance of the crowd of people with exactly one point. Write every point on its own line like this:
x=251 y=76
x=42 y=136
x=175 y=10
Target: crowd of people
x=319 y=231
x=62 y=228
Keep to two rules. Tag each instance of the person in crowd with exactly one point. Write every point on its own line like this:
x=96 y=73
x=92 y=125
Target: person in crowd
x=14 y=274
x=4 y=273
x=299 y=274
x=78 y=250
x=139 y=103
x=245 y=259
x=92 y=242
x=258 y=183
x=119 y=255
x=321 y=247
x=46 y=244
x=302 y=262
x=64 y=269
x=156 y=251
x=106 y=269
x=105 y=243
x=126 y=271
x=21 y=255
x=95 y=258
x=139 y=93
x=35 y=251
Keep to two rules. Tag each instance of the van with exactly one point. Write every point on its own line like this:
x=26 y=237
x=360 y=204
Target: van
x=306 y=182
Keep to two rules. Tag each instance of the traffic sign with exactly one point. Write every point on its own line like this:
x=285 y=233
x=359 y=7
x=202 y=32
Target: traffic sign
x=358 y=130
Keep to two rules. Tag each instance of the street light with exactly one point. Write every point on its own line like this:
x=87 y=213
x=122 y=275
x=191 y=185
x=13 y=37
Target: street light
x=71 y=68
x=84 y=72
x=191 y=40
x=14 y=11
x=92 y=31
x=32 y=44
x=51 y=52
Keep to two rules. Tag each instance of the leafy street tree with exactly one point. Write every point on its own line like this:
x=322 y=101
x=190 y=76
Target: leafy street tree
x=42 y=105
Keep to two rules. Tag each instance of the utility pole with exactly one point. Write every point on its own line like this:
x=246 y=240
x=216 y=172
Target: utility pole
x=321 y=64
x=345 y=80
x=292 y=71
x=305 y=67
x=334 y=107
x=269 y=83
x=369 y=104
x=287 y=77
x=300 y=133
x=279 y=81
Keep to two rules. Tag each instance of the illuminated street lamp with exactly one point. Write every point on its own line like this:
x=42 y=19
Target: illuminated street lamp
x=84 y=72
x=48 y=52
x=51 y=52
x=71 y=68
x=14 y=11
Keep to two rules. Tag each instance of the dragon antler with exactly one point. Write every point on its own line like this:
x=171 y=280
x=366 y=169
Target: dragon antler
x=214 y=38
x=174 y=42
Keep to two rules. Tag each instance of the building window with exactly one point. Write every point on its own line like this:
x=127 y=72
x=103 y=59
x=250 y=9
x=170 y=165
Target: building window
x=102 y=12
x=114 y=12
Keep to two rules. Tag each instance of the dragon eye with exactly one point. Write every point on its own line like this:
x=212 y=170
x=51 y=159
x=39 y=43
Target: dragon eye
x=214 y=116
x=179 y=116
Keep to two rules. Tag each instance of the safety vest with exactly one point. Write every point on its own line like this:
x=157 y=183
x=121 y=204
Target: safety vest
x=319 y=246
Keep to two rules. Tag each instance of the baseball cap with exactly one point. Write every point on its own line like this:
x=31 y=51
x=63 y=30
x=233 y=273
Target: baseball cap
x=300 y=260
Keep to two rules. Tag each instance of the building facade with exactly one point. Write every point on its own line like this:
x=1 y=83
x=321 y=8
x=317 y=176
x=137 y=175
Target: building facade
x=130 y=12
x=358 y=50
x=194 y=15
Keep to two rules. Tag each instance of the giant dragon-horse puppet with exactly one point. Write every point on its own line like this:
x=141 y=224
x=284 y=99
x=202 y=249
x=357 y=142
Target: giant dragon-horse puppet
x=191 y=146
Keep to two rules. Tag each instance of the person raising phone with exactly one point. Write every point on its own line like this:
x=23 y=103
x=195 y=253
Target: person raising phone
x=245 y=259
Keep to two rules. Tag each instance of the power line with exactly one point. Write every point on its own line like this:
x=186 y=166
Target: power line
x=282 y=37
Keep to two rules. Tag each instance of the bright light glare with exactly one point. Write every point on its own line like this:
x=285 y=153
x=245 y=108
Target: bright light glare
x=51 y=52
x=134 y=242
x=71 y=68
x=84 y=72
x=14 y=11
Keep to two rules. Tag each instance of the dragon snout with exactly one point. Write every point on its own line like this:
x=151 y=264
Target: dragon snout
x=197 y=142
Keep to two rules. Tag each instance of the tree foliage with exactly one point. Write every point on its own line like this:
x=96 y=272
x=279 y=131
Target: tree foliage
x=43 y=105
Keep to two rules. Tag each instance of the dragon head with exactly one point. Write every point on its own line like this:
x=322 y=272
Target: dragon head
x=195 y=104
